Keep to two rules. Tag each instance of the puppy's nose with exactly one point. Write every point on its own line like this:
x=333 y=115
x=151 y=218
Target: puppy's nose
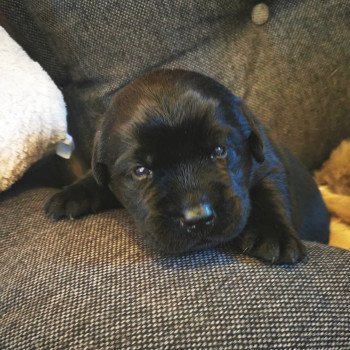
x=197 y=217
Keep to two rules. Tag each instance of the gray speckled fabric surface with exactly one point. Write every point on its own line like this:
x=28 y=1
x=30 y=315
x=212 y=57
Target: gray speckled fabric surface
x=88 y=284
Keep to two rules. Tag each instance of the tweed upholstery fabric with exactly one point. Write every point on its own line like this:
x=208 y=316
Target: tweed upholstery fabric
x=32 y=39
x=293 y=69
x=89 y=284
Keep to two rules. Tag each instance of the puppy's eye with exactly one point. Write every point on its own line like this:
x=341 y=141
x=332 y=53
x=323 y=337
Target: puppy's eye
x=219 y=152
x=141 y=172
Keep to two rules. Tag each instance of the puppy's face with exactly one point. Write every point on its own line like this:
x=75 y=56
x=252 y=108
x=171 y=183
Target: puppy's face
x=172 y=159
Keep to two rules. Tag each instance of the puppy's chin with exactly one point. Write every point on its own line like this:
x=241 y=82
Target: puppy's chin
x=177 y=242
x=177 y=247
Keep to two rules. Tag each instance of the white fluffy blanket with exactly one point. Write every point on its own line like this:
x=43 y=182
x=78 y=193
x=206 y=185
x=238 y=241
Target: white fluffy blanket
x=32 y=112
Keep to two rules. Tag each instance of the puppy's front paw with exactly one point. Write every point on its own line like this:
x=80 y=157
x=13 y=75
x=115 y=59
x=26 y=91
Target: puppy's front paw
x=71 y=202
x=272 y=248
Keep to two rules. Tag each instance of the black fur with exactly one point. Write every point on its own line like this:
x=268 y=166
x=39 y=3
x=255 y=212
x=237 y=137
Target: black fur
x=170 y=121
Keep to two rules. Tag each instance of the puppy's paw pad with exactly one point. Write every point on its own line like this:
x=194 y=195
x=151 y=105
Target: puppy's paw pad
x=68 y=203
x=292 y=251
x=275 y=250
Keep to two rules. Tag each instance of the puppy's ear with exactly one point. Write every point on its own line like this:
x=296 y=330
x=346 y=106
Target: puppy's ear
x=256 y=144
x=99 y=169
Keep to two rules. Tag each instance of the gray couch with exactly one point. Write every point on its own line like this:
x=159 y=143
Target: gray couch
x=89 y=283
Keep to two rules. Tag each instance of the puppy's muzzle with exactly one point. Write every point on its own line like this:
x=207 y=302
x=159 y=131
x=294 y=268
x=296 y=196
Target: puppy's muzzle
x=198 y=217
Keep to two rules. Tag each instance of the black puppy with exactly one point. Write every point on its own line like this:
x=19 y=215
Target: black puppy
x=194 y=168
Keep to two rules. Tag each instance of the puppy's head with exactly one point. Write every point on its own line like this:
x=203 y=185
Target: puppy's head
x=178 y=153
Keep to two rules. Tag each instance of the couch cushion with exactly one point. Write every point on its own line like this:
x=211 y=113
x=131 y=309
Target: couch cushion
x=32 y=39
x=89 y=284
x=293 y=68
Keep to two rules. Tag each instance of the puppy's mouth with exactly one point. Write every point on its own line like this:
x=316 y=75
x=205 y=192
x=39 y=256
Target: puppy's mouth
x=180 y=241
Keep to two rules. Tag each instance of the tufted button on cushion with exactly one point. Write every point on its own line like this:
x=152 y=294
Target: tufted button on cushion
x=260 y=14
